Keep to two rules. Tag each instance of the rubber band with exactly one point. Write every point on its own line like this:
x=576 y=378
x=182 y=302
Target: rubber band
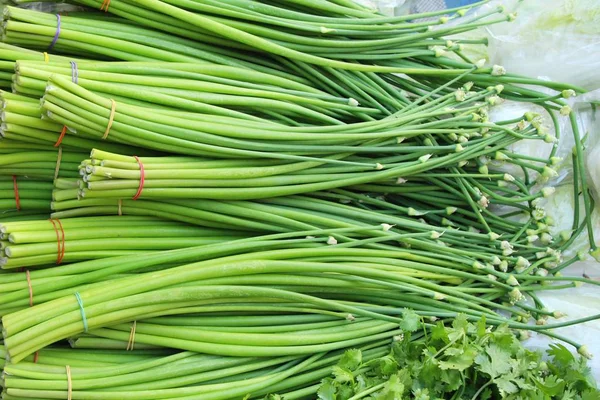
x=83 y=318
x=58 y=160
x=69 y=383
x=46 y=57
x=55 y=38
x=120 y=207
x=142 y=179
x=111 y=118
x=17 y=197
x=60 y=243
x=28 y=275
x=63 y=132
x=131 y=341
x=74 y=73
x=105 y=5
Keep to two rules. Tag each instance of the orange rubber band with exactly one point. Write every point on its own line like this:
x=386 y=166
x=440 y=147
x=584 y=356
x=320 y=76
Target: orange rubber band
x=69 y=383
x=111 y=119
x=63 y=132
x=142 y=179
x=30 y=288
x=16 y=189
x=58 y=160
x=35 y=357
x=105 y=5
x=59 y=241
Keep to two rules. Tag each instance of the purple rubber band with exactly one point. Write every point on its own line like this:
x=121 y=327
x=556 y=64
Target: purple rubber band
x=55 y=38
x=74 y=73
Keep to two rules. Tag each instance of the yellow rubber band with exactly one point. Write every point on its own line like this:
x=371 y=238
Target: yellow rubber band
x=46 y=57
x=111 y=118
x=69 y=383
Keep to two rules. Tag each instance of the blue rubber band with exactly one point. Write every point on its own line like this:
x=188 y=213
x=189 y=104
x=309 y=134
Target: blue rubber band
x=83 y=318
x=57 y=34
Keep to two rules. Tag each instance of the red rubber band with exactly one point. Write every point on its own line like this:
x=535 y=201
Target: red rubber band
x=16 y=188
x=61 y=246
x=30 y=288
x=61 y=137
x=142 y=179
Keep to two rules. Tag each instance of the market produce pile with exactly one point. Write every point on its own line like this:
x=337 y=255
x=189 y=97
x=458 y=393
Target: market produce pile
x=251 y=199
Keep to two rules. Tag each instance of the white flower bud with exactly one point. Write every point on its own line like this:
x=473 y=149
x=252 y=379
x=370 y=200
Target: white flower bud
x=546 y=238
x=498 y=70
x=549 y=172
x=439 y=296
x=477 y=265
x=548 y=191
x=424 y=158
x=512 y=281
x=414 y=213
x=515 y=296
x=538 y=214
x=550 y=138
x=483 y=202
x=532 y=238
x=447 y=222
x=400 y=181
x=522 y=263
x=493 y=236
x=331 y=240
x=555 y=160
x=584 y=352
x=460 y=95
x=567 y=93
x=503 y=266
x=565 y=110
x=387 y=227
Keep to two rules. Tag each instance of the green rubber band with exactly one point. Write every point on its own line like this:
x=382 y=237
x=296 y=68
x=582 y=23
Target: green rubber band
x=83 y=318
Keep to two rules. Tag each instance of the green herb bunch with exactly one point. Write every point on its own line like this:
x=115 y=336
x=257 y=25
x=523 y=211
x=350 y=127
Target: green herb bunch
x=460 y=361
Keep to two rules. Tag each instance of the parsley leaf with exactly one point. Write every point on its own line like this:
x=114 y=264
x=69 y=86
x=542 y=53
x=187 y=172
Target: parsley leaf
x=410 y=321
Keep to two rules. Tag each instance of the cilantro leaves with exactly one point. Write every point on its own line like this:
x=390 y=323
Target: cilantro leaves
x=461 y=361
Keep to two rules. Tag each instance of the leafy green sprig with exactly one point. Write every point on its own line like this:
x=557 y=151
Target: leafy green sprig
x=461 y=360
